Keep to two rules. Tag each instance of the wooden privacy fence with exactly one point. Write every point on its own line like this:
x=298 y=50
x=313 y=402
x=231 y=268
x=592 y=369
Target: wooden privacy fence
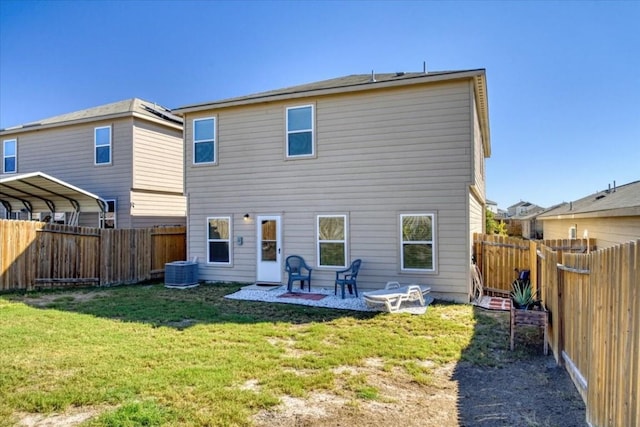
x=38 y=255
x=593 y=299
x=499 y=256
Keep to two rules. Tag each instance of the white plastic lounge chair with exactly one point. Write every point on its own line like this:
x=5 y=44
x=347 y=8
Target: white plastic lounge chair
x=393 y=295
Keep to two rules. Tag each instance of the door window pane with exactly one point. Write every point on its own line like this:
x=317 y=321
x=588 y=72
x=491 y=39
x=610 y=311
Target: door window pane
x=269 y=243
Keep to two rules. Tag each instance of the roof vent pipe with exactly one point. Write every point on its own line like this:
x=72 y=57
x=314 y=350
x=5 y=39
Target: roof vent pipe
x=570 y=206
x=424 y=67
x=609 y=190
x=614 y=186
x=373 y=77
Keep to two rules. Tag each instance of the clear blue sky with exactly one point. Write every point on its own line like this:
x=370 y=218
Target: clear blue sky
x=563 y=77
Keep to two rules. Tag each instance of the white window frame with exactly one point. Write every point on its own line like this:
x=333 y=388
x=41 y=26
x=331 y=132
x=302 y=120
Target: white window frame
x=214 y=141
x=14 y=156
x=229 y=240
x=312 y=130
x=573 y=232
x=109 y=145
x=105 y=217
x=344 y=241
x=432 y=242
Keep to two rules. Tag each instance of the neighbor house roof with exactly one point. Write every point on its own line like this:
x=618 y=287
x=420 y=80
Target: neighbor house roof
x=39 y=192
x=129 y=107
x=530 y=214
x=520 y=203
x=357 y=83
x=623 y=200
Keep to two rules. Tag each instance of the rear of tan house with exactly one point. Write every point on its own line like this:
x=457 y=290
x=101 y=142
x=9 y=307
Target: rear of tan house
x=389 y=169
x=140 y=176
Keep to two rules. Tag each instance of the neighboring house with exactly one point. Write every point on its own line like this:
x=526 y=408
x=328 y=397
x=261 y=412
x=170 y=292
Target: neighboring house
x=492 y=206
x=520 y=220
x=129 y=153
x=522 y=209
x=531 y=227
x=387 y=168
x=611 y=217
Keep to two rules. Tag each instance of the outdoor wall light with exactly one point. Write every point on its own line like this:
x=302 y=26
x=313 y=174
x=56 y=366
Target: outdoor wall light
x=246 y=217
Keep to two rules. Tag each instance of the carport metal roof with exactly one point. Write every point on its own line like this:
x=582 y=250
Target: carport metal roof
x=39 y=192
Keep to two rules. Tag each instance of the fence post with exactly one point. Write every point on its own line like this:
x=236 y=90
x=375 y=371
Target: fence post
x=559 y=316
x=533 y=267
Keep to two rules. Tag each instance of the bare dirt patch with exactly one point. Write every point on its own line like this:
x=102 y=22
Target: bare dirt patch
x=533 y=392
x=71 y=417
x=45 y=300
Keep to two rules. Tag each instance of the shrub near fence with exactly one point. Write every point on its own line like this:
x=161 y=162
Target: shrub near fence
x=594 y=330
x=38 y=255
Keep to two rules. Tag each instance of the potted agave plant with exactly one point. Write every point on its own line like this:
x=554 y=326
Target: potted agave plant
x=527 y=309
x=522 y=295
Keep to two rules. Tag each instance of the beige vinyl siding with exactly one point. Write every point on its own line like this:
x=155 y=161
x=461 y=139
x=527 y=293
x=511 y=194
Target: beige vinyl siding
x=608 y=231
x=379 y=154
x=158 y=159
x=156 y=221
x=476 y=217
x=479 y=155
x=160 y=205
x=67 y=153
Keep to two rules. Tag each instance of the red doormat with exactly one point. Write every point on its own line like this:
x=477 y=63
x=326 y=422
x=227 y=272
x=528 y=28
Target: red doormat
x=314 y=297
x=495 y=303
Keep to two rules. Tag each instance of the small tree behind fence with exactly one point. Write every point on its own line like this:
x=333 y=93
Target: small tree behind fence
x=38 y=255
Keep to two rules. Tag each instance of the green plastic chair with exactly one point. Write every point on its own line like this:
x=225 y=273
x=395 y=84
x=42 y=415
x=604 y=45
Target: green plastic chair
x=348 y=278
x=298 y=271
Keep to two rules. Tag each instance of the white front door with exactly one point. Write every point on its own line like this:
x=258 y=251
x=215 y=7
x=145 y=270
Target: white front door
x=269 y=249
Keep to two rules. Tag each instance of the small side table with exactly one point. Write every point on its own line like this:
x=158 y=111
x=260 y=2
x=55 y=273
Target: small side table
x=539 y=318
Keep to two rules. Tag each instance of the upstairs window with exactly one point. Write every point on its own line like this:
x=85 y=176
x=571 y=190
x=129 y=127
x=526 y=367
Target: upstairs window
x=417 y=249
x=219 y=240
x=204 y=141
x=332 y=241
x=300 y=140
x=102 y=145
x=10 y=156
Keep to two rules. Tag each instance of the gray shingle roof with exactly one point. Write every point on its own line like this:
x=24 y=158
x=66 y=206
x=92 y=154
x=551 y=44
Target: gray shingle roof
x=128 y=106
x=615 y=200
x=350 y=81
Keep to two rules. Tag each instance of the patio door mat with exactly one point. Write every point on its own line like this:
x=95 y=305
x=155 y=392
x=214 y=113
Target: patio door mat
x=300 y=295
x=495 y=303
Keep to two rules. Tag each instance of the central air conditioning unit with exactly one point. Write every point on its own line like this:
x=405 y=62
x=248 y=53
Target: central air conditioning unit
x=181 y=274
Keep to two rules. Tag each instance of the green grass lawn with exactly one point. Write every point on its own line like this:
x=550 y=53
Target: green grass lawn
x=146 y=355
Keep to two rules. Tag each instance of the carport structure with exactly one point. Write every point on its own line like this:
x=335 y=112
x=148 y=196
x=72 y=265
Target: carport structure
x=38 y=192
